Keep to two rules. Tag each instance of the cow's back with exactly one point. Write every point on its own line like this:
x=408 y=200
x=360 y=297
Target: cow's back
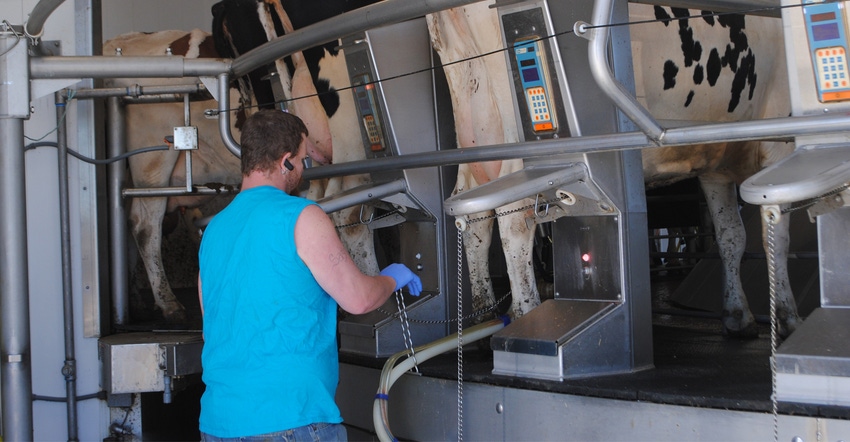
x=713 y=69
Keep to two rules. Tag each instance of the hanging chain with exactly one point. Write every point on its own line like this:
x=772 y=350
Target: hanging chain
x=459 y=335
x=771 y=217
x=361 y=222
x=405 y=329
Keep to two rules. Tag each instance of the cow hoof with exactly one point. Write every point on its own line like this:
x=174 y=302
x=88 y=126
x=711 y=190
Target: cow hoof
x=175 y=316
x=749 y=332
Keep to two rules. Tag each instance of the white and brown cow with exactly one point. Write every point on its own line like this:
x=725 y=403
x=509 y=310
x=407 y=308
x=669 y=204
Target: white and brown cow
x=148 y=125
x=725 y=68
x=239 y=25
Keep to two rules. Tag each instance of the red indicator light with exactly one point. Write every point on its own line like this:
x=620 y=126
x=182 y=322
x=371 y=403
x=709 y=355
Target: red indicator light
x=585 y=257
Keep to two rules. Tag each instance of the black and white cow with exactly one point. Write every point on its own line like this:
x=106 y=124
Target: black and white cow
x=717 y=70
x=704 y=69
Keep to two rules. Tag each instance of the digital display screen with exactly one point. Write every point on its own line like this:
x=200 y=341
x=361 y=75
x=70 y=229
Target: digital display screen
x=822 y=16
x=530 y=75
x=826 y=31
x=528 y=62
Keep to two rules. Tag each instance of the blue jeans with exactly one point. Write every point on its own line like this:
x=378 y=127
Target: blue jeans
x=307 y=433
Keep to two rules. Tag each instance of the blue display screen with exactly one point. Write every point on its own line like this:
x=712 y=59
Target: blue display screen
x=826 y=31
x=530 y=75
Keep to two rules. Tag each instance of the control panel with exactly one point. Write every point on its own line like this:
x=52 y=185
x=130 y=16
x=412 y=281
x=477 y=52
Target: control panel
x=541 y=96
x=535 y=81
x=827 y=36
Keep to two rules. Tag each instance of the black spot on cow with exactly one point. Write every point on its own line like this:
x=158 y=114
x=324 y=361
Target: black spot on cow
x=708 y=16
x=691 y=49
x=670 y=72
x=237 y=30
x=689 y=99
x=698 y=74
x=662 y=15
x=713 y=67
x=230 y=20
x=745 y=77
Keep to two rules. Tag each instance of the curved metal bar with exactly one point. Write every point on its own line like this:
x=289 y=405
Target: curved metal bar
x=35 y=24
x=600 y=68
x=224 y=116
x=362 y=19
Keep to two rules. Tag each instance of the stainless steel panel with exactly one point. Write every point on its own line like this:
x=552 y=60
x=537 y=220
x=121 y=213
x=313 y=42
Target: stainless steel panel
x=548 y=326
x=834 y=246
x=587 y=258
x=139 y=362
x=425 y=408
x=14 y=81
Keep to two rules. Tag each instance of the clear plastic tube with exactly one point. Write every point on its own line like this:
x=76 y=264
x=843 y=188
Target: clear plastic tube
x=392 y=372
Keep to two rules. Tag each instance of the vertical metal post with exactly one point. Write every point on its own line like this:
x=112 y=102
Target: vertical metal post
x=117 y=217
x=187 y=121
x=69 y=370
x=15 y=355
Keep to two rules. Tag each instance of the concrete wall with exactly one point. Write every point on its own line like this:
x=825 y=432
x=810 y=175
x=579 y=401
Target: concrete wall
x=71 y=27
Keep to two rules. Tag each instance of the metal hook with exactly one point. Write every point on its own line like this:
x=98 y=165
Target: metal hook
x=537 y=207
x=372 y=217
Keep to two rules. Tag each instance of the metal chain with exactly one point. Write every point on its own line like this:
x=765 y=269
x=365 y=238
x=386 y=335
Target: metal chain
x=345 y=226
x=405 y=329
x=472 y=315
x=812 y=201
x=459 y=336
x=519 y=209
x=771 y=218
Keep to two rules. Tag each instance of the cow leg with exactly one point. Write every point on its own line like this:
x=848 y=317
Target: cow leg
x=518 y=245
x=145 y=220
x=476 y=243
x=721 y=196
x=358 y=239
x=786 y=305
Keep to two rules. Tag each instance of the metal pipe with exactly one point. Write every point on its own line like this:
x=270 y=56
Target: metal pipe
x=224 y=116
x=176 y=191
x=187 y=121
x=35 y=24
x=15 y=357
x=360 y=195
x=600 y=68
x=69 y=370
x=361 y=19
x=710 y=133
x=125 y=67
x=136 y=91
x=116 y=176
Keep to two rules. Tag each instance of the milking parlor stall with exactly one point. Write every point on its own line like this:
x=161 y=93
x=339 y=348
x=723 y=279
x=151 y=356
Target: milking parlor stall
x=628 y=218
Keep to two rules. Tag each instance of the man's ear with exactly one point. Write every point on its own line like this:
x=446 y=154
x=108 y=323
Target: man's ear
x=286 y=163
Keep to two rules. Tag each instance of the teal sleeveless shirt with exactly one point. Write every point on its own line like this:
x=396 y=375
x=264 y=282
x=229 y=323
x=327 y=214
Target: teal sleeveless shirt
x=270 y=358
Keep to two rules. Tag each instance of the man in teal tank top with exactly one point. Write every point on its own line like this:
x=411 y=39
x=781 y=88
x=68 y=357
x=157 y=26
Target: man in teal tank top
x=273 y=271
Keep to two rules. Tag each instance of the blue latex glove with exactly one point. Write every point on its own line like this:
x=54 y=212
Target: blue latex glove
x=403 y=276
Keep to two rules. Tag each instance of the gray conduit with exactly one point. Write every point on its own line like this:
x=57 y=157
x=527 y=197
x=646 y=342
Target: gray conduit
x=15 y=357
x=69 y=370
x=119 y=281
x=39 y=14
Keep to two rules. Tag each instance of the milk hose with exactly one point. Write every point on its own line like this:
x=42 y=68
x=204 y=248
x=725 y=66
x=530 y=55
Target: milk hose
x=391 y=373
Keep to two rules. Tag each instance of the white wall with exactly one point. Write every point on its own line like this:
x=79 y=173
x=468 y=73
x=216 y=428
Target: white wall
x=120 y=16
x=43 y=236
